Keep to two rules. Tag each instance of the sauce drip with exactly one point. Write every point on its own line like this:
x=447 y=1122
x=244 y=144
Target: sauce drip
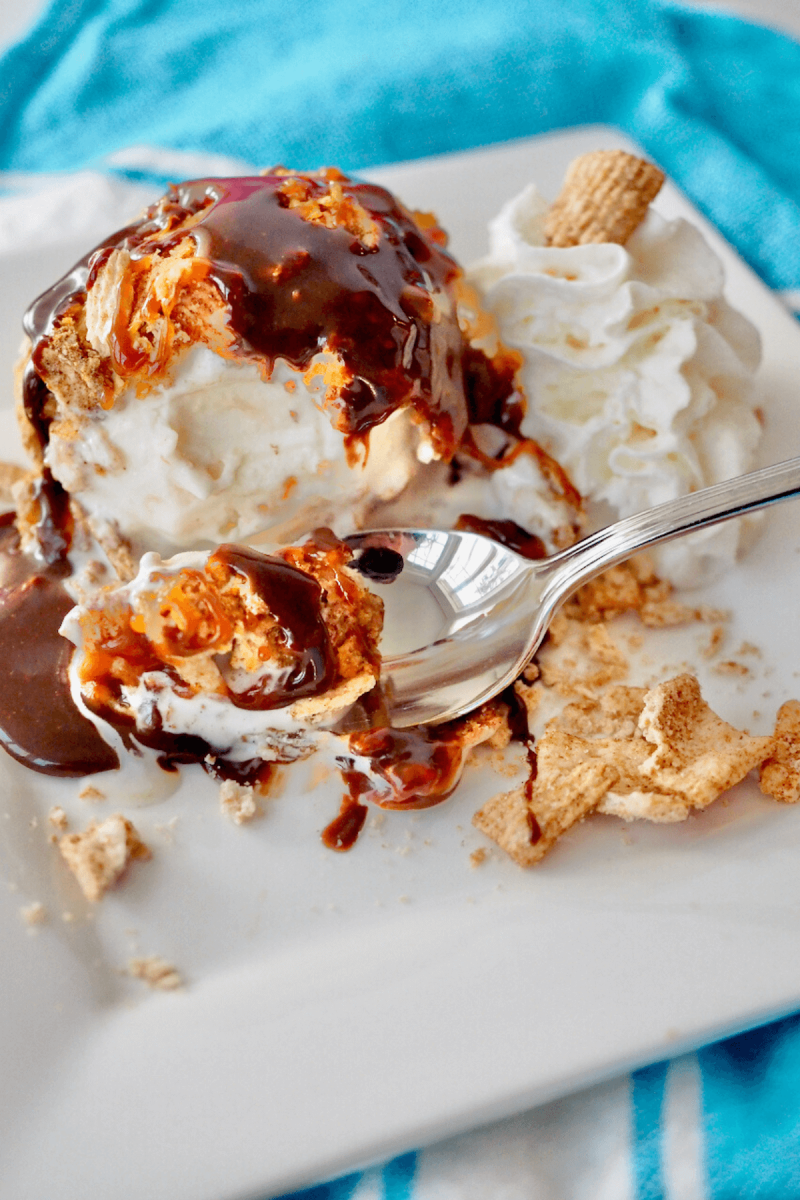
x=420 y=765
x=39 y=723
x=343 y=830
x=518 y=724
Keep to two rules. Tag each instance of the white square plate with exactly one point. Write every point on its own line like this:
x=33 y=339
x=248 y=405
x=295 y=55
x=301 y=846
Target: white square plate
x=342 y=1008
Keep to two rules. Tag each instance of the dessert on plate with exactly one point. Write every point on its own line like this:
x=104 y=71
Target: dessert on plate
x=220 y=391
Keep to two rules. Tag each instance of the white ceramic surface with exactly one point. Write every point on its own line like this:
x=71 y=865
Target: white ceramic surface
x=341 y=1008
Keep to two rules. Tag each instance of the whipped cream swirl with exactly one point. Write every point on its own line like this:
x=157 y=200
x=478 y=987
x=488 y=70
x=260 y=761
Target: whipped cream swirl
x=639 y=374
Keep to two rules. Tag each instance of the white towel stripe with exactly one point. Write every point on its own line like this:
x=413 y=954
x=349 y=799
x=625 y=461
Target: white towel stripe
x=578 y=1148
x=683 y=1168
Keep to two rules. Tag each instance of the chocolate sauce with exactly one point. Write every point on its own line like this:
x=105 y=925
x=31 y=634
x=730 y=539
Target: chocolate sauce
x=508 y=533
x=492 y=395
x=520 y=732
x=39 y=723
x=294 y=599
x=295 y=286
x=343 y=830
x=254 y=772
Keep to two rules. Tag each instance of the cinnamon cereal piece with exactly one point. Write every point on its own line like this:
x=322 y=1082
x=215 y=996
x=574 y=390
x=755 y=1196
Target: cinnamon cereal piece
x=605 y=197
x=98 y=856
x=662 y=753
x=660 y=614
x=527 y=831
x=319 y=198
x=696 y=754
x=714 y=644
x=156 y=972
x=780 y=773
x=615 y=715
x=588 y=659
x=731 y=667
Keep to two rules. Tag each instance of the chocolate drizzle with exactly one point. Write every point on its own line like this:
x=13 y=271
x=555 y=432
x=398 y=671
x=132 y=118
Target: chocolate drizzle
x=296 y=286
x=420 y=765
x=294 y=599
x=39 y=723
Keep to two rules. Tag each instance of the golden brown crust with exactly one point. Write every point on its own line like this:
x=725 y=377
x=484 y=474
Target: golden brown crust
x=605 y=197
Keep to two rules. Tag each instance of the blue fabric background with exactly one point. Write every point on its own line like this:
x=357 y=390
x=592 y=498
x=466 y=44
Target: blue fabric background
x=361 y=82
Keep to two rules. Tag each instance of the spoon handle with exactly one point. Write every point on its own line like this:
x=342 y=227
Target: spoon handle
x=721 y=502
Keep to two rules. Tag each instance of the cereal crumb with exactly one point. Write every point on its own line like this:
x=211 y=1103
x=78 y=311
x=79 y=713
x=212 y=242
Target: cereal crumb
x=33 y=914
x=98 y=856
x=156 y=972
x=167 y=829
x=729 y=667
x=237 y=801
x=91 y=794
x=57 y=817
x=714 y=643
x=477 y=857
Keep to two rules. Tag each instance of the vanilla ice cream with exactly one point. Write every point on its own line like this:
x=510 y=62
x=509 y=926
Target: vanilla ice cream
x=639 y=374
x=255 y=356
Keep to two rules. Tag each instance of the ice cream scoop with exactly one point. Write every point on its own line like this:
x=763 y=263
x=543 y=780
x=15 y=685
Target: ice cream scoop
x=255 y=356
x=464 y=613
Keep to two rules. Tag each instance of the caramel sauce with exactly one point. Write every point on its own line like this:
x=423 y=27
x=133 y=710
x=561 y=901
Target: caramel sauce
x=421 y=765
x=39 y=723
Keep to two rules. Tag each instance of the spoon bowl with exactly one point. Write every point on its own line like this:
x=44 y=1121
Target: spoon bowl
x=464 y=613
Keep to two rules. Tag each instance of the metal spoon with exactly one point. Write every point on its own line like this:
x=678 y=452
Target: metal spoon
x=464 y=614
